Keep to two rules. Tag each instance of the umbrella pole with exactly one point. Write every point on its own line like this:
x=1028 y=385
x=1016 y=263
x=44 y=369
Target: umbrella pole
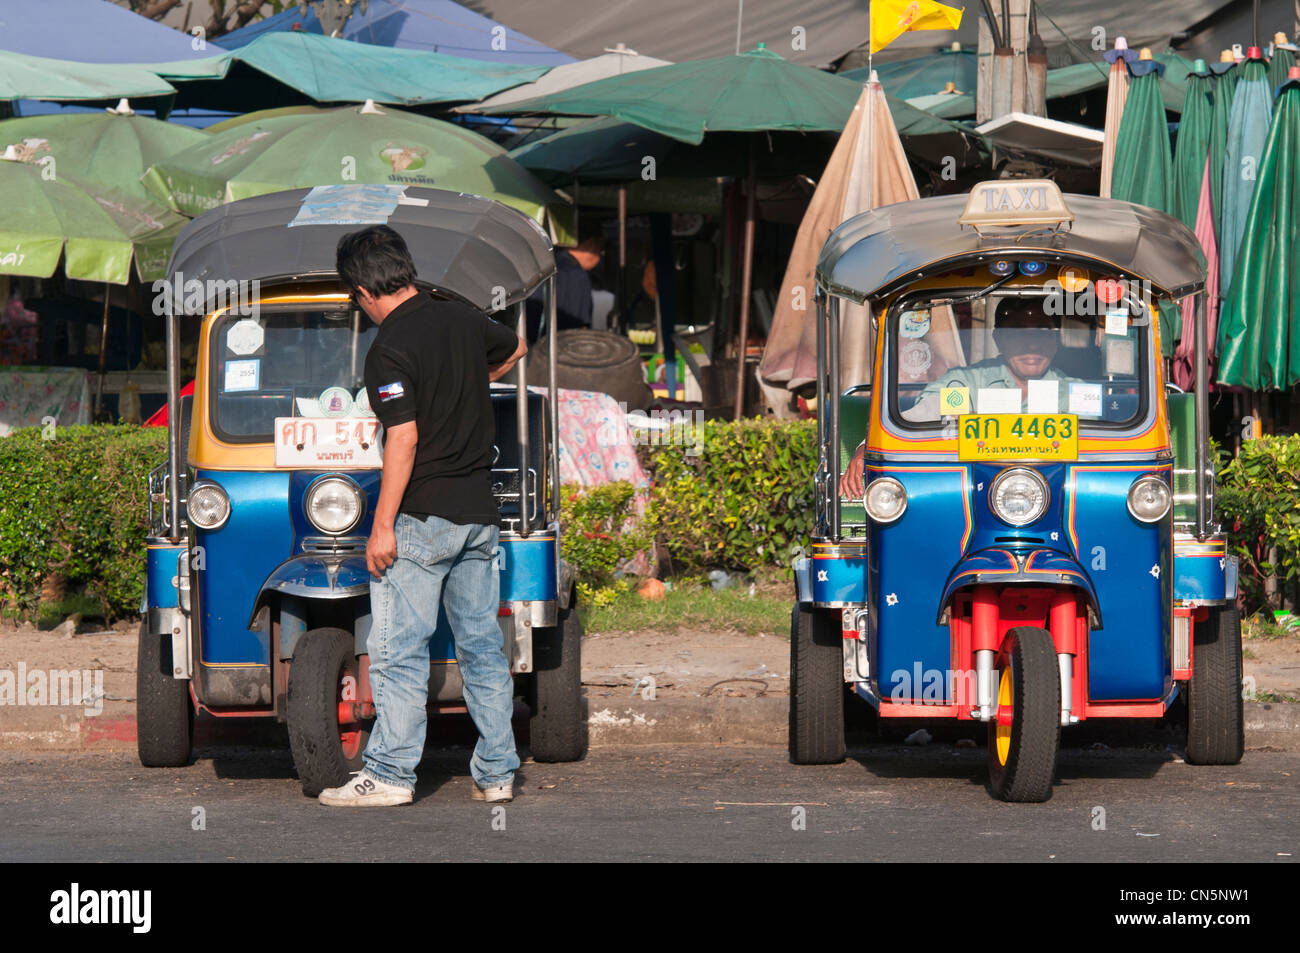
x=620 y=312
x=103 y=354
x=746 y=273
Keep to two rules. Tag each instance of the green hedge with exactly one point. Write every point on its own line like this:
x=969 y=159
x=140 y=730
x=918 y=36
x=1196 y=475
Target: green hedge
x=74 y=505
x=739 y=499
x=1259 y=505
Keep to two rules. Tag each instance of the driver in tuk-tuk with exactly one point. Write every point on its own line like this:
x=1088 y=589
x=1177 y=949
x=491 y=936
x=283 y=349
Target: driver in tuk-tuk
x=1027 y=341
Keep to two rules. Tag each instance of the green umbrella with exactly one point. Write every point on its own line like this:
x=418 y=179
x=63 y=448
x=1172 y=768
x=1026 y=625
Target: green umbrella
x=105 y=149
x=1143 y=171
x=1257 y=347
x=1193 y=143
x=1224 y=87
x=366 y=144
x=753 y=92
x=1281 y=60
x=97 y=232
x=1248 y=126
x=36 y=77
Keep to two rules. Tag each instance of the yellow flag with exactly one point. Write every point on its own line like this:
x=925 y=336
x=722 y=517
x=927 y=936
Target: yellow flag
x=890 y=19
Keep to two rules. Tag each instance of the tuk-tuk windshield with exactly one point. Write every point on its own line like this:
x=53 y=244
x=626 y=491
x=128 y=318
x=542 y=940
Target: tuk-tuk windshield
x=1010 y=354
x=286 y=363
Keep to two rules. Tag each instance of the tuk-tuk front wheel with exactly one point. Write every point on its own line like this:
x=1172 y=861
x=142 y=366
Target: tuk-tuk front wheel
x=816 y=686
x=326 y=736
x=1026 y=734
x=164 y=714
x=557 y=730
x=1215 y=723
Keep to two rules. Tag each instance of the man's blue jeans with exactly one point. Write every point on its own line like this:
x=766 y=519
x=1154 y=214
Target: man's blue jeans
x=438 y=560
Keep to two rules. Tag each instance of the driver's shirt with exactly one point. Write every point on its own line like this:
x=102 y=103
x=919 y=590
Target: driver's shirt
x=429 y=363
x=990 y=374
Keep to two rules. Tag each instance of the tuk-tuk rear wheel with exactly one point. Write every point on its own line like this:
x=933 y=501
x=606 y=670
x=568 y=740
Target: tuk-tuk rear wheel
x=164 y=714
x=1215 y=721
x=557 y=730
x=816 y=686
x=1026 y=735
x=326 y=739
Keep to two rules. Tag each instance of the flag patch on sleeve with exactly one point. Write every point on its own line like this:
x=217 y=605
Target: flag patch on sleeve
x=391 y=391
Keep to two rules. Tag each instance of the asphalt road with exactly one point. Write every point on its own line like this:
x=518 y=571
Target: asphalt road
x=886 y=803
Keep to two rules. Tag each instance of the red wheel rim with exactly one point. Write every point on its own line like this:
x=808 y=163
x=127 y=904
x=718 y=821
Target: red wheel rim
x=349 y=715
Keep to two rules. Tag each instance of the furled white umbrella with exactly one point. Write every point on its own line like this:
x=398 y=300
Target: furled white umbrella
x=1116 y=96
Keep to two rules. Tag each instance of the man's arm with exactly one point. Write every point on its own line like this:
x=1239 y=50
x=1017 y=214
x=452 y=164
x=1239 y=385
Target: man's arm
x=498 y=371
x=399 y=459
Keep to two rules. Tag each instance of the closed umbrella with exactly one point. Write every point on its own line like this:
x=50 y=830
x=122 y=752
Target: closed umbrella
x=1185 y=355
x=1248 y=123
x=1280 y=60
x=1144 y=161
x=1116 y=94
x=109 y=149
x=1257 y=346
x=1224 y=87
x=366 y=145
x=1193 y=146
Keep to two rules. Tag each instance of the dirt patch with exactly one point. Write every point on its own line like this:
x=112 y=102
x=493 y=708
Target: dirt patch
x=686 y=664
x=1274 y=664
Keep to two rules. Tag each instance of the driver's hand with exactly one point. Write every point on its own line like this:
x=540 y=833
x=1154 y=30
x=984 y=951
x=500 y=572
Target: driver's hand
x=381 y=550
x=851 y=481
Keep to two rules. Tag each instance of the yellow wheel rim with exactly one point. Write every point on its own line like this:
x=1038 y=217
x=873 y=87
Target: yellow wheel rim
x=1004 y=703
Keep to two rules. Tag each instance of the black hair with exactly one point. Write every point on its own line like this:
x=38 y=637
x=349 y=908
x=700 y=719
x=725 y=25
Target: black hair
x=374 y=258
x=1022 y=311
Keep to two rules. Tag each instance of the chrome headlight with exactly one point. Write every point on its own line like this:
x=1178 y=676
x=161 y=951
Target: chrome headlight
x=208 y=507
x=334 y=505
x=1019 y=497
x=886 y=500
x=1149 y=499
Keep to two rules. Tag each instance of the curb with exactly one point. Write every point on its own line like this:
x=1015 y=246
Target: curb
x=722 y=721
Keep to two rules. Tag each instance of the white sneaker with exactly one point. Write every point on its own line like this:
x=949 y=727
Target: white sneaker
x=366 y=790
x=493 y=793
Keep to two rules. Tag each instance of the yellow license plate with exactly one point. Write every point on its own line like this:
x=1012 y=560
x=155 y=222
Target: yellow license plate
x=1017 y=437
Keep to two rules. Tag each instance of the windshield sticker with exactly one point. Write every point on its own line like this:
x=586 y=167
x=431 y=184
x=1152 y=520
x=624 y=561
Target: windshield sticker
x=914 y=324
x=1085 y=400
x=1117 y=322
x=1044 y=397
x=914 y=359
x=1119 y=357
x=954 y=400
x=242 y=375
x=999 y=400
x=245 y=337
x=361 y=404
x=348 y=205
x=335 y=401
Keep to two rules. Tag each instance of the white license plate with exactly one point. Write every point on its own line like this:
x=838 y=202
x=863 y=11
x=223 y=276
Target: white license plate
x=327 y=442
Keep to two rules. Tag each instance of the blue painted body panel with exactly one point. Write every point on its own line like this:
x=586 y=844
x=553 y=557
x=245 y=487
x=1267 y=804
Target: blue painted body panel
x=839 y=576
x=1131 y=567
x=1203 y=570
x=908 y=562
x=528 y=567
x=160 y=570
x=1012 y=564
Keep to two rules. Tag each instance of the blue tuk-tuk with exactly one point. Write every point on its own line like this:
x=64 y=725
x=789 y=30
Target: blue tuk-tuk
x=257 y=600
x=1015 y=517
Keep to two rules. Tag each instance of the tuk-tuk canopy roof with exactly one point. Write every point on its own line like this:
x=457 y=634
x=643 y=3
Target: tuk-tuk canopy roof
x=873 y=253
x=463 y=245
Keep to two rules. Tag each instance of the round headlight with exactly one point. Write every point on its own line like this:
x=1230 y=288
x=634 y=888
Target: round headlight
x=1149 y=499
x=334 y=505
x=208 y=506
x=1019 y=497
x=886 y=500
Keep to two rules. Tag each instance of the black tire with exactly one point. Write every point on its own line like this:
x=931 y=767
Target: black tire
x=164 y=715
x=816 y=687
x=557 y=730
x=321 y=660
x=1023 y=766
x=1215 y=723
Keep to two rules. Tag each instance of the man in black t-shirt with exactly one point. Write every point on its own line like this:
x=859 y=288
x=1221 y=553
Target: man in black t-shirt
x=435 y=527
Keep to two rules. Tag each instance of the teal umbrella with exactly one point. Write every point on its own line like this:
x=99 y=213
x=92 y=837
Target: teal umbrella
x=1258 y=347
x=1280 y=61
x=1143 y=171
x=36 y=77
x=1248 y=123
x=1193 y=143
x=1224 y=86
x=923 y=75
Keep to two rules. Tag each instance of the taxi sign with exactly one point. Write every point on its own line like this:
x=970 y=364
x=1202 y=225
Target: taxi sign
x=988 y=437
x=1009 y=203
